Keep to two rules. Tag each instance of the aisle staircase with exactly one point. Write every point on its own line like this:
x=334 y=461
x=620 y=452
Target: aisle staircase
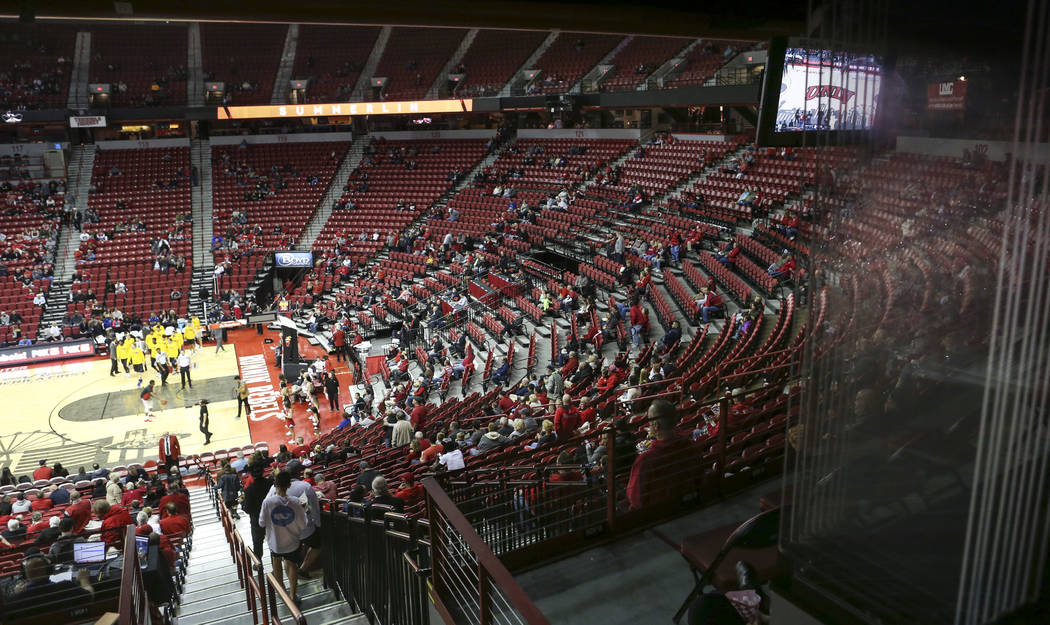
x=78 y=81
x=203 y=224
x=284 y=70
x=212 y=593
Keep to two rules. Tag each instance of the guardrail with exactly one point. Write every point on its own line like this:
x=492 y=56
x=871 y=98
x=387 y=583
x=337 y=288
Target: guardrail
x=263 y=594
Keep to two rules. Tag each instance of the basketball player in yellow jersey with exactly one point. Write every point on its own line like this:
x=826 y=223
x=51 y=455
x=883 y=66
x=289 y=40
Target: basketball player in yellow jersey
x=138 y=360
x=195 y=323
x=190 y=336
x=151 y=349
x=123 y=353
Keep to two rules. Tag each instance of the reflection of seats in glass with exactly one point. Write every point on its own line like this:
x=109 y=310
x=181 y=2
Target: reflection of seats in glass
x=712 y=555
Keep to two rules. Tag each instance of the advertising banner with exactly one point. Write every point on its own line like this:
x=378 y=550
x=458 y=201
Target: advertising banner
x=946 y=96
x=32 y=354
x=345 y=108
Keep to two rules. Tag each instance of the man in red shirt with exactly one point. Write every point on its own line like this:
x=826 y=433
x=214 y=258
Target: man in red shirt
x=178 y=496
x=114 y=520
x=566 y=418
x=668 y=469
x=133 y=494
x=587 y=412
x=639 y=323
x=41 y=503
x=419 y=415
x=43 y=472
x=174 y=523
x=39 y=524
x=79 y=511
x=409 y=490
x=339 y=343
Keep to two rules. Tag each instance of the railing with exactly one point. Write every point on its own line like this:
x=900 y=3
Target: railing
x=524 y=517
x=490 y=302
x=378 y=560
x=262 y=592
x=133 y=602
x=470 y=584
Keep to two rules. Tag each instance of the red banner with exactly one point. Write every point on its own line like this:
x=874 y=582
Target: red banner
x=946 y=96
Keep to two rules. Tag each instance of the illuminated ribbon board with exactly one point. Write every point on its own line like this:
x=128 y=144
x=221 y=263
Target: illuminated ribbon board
x=346 y=108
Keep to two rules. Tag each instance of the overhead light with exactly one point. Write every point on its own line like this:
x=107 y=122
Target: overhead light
x=962 y=78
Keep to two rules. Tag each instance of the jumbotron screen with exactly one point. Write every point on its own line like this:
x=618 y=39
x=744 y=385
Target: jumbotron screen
x=828 y=90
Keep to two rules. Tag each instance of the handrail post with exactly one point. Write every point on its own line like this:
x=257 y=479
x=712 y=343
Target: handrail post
x=262 y=591
x=610 y=477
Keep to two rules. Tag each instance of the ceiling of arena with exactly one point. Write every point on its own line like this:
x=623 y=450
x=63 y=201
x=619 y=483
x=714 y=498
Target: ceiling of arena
x=756 y=19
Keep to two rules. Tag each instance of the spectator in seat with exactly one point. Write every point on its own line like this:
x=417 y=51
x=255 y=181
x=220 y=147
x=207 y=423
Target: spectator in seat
x=21 y=504
x=783 y=266
x=114 y=520
x=43 y=472
x=78 y=511
x=381 y=495
x=659 y=474
x=409 y=490
x=729 y=258
x=14 y=534
x=61 y=550
x=173 y=522
x=492 y=439
x=639 y=323
x=708 y=303
x=59 y=496
x=566 y=418
x=671 y=338
x=40 y=595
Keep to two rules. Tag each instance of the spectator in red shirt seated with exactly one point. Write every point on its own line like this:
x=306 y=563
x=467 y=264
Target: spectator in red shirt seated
x=409 y=490
x=565 y=474
x=729 y=258
x=173 y=522
x=570 y=366
x=708 y=303
x=665 y=471
x=783 y=266
x=178 y=496
x=38 y=524
x=41 y=503
x=431 y=453
x=325 y=488
x=43 y=472
x=587 y=412
x=133 y=494
x=79 y=511
x=114 y=520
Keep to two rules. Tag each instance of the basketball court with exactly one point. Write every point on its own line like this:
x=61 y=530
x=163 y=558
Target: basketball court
x=77 y=414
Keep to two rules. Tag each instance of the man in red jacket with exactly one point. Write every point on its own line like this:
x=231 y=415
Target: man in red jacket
x=79 y=511
x=667 y=470
x=168 y=449
x=43 y=472
x=566 y=418
x=114 y=520
x=178 y=496
x=174 y=523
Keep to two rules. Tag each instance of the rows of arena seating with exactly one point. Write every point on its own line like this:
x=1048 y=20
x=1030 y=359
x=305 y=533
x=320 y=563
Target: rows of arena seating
x=492 y=59
x=332 y=76
x=639 y=58
x=413 y=57
x=702 y=62
x=243 y=56
x=287 y=180
x=145 y=65
x=379 y=183
x=570 y=57
x=141 y=197
x=37 y=68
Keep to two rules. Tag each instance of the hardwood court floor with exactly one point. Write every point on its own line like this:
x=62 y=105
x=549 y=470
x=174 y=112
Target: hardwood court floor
x=77 y=414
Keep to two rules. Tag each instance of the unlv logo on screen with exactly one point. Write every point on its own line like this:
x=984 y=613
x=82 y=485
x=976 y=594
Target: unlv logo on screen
x=946 y=88
x=828 y=91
